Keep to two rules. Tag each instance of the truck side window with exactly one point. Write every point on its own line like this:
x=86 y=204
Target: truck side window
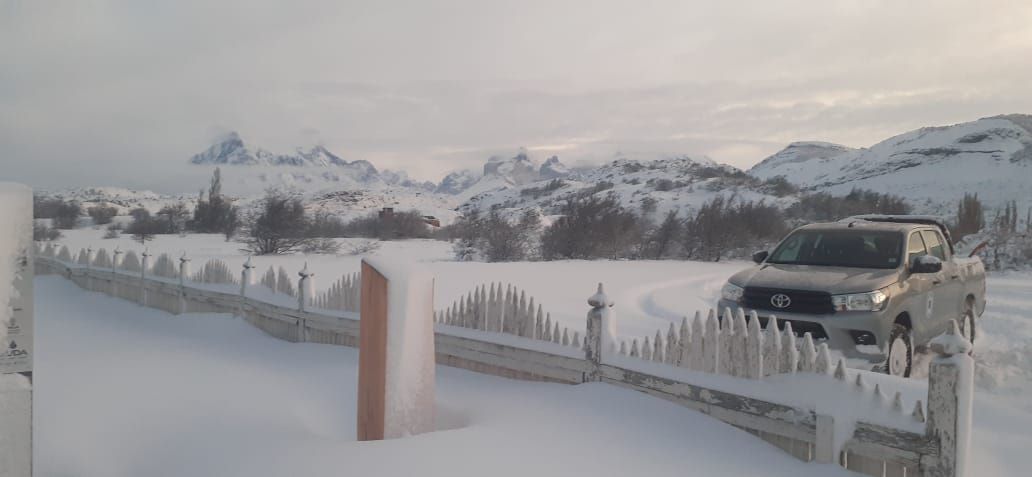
x=935 y=246
x=916 y=247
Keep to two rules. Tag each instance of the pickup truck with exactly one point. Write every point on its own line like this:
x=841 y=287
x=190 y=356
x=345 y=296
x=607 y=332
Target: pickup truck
x=876 y=288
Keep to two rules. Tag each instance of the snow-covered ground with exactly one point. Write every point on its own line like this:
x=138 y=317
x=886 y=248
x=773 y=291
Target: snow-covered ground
x=124 y=390
x=648 y=295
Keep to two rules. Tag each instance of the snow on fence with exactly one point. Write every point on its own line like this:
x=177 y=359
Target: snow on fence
x=726 y=371
x=734 y=344
x=343 y=294
x=487 y=308
x=278 y=282
x=165 y=267
x=215 y=271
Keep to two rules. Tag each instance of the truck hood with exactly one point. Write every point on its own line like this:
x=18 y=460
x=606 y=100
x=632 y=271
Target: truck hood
x=834 y=280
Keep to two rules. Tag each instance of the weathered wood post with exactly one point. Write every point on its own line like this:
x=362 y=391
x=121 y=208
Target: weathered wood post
x=396 y=352
x=950 y=389
x=16 y=331
x=599 y=320
x=304 y=287
x=184 y=273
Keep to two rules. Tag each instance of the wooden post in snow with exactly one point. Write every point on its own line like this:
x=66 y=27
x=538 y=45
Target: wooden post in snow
x=950 y=388
x=599 y=303
x=395 y=353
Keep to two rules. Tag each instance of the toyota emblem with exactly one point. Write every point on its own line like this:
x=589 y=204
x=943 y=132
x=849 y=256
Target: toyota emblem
x=780 y=301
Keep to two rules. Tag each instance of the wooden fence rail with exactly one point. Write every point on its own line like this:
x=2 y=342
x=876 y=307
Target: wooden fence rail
x=472 y=334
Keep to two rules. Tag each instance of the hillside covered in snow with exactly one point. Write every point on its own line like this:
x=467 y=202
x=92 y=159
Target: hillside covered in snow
x=931 y=167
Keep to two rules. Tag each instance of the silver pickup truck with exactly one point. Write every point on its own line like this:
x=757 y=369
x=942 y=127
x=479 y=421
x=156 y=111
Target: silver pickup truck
x=872 y=287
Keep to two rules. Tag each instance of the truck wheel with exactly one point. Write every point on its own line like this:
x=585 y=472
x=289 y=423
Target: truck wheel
x=967 y=322
x=901 y=352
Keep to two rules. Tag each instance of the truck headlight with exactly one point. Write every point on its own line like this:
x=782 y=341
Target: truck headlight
x=871 y=301
x=732 y=292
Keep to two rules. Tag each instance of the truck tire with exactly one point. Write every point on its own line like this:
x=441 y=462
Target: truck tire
x=901 y=352
x=967 y=322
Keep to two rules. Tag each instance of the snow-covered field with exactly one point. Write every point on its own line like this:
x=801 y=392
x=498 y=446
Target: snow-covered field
x=648 y=295
x=124 y=390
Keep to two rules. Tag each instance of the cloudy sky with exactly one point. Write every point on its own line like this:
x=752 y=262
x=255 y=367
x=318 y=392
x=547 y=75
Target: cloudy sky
x=122 y=93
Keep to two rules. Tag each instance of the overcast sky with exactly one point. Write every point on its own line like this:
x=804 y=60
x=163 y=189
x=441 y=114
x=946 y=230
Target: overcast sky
x=124 y=92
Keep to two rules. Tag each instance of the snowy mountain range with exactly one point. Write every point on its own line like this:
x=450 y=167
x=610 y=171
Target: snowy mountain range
x=931 y=167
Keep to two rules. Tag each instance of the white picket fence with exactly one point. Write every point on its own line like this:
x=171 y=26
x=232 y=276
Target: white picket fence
x=735 y=345
x=343 y=294
x=488 y=308
x=500 y=330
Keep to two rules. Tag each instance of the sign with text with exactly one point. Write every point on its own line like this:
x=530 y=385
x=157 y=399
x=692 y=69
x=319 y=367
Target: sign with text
x=17 y=350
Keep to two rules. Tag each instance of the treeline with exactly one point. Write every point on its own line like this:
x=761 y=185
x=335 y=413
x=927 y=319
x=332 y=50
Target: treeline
x=592 y=227
x=282 y=225
x=1006 y=239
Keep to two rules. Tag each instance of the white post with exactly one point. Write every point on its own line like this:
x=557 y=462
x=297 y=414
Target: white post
x=115 y=260
x=303 y=286
x=16 y=331
x=950 y=389
x=114 y=267
x=144 y=263
x=89 y=266
x=245 y=277
x=184 y=271
x=598 y=317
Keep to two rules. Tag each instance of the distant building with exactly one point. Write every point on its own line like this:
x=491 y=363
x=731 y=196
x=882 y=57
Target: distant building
x=431 y=221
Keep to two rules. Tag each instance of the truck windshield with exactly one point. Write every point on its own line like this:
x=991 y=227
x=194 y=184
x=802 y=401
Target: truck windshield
x=840 y=248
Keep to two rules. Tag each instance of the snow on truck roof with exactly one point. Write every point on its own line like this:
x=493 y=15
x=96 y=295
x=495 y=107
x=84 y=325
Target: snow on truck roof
x=861 y=224
x=900 y=223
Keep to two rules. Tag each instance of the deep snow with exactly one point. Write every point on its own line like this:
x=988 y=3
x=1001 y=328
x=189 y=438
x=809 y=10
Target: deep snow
x=648 y=296
x=124 y=390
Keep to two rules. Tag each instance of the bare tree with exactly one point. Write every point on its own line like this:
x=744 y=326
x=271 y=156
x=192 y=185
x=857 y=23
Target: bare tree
x=592 y=227
x=279 y=227
x=970 y=216
x=102 y=215
x=660 y=240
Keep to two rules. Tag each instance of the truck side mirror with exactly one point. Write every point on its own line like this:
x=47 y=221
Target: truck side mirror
x=926 y=264
x=760 y=256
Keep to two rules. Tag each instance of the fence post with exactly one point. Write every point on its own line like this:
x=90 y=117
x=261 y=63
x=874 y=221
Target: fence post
x=245 y=277
x=184 y=271
x=593 y=344
x=89 y=266
x=114 y=267
x=395 y=384
x=144 y=262
x=950 y=389
x=303 y=286
x=16 y=332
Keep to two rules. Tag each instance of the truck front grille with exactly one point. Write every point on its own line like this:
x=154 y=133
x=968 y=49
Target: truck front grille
x=801 y=301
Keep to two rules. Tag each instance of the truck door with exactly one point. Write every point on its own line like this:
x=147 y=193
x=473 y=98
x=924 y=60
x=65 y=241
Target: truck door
x=921 y=296
x=949 y=288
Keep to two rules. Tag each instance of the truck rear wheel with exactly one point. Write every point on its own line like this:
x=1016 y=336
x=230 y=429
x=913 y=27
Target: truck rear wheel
x=901 y=352
x=967 y=322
